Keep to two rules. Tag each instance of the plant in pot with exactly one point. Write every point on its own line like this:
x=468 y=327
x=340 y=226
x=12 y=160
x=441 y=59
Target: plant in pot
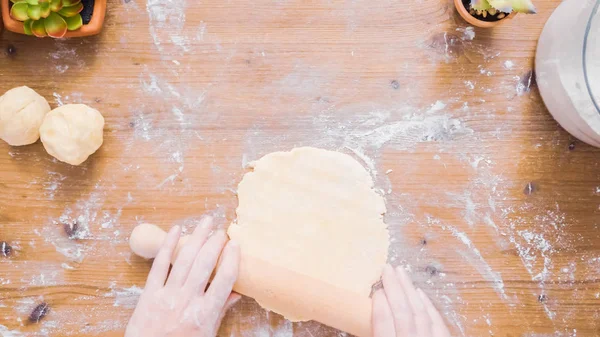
x=54 y=18
x=490 y=13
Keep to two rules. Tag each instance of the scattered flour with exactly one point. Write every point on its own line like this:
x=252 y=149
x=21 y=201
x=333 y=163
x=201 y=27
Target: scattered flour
x=124 y=297
x=483 y=267
x=468 y=33
x=5 y=332
x=64 y=57
x=58 y=99
x=508 y=64
x=66 y=266
x=166 y=23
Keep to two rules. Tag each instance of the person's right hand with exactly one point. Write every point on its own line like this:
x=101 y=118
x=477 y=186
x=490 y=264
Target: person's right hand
x=181 y=303
x=400 y=310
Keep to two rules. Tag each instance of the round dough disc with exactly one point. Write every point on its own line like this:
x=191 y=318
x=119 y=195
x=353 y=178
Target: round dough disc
x=72 y=132
x=313 y=213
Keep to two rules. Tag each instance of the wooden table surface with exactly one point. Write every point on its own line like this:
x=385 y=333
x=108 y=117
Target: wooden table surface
x=494 y=207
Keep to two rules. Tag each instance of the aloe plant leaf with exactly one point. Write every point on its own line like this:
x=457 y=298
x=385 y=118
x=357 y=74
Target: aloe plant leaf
x=38 y=29
x=18 y=11
x=55 y=25
x=480 y=5
x=44 y=9
x=71 y=10
x=502 y=5
x=34 y=12
x=523 y=6
x=27 y=27
x=56 y=5
x=74 y=22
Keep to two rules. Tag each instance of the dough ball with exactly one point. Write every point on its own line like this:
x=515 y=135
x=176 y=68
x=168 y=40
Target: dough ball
x=72 y=132
x=22 y=111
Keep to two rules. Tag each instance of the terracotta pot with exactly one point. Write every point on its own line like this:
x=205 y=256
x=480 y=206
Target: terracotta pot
x=475 y=21
x=92 y=28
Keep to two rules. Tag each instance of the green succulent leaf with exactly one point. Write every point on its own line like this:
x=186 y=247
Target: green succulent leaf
x=71 y=2
x=27 y=27
x=18 y=11
x=17 y=1
x=32 y=2
x=502 y=5
x=71 y=10
x=507 y=6
x=38 y=29
x=55 y=25
x=44 y=9
x=74 y=22
x=34 y=12
x=56 y=5
x=480 y=5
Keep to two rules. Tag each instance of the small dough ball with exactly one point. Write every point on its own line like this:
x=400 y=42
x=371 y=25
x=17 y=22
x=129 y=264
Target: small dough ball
x=72 y=132
x=22 y=111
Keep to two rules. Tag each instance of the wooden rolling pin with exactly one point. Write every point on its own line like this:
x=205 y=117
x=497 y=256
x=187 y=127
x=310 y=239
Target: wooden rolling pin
x=278 y=288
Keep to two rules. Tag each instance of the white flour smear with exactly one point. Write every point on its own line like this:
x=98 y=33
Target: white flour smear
x=64 y=58
x=167 y=139
x=5 y=332
x=365 y=133
x=166 y=23
x=369 y=134
x=484 y=269
x=124 y=297
x=82 y=215
x=537 y=244
x=51 y=183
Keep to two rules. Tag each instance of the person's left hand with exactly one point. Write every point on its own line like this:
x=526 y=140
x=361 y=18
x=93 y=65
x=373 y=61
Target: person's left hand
x=182 y=305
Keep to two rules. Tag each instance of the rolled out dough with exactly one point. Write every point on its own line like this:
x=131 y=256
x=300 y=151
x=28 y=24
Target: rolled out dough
x=312 y=237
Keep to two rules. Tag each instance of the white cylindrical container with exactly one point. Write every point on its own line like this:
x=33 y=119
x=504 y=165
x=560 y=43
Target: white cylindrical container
x=568 y=68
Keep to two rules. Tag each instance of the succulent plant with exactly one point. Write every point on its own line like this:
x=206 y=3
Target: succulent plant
x=501 y=7
x=47 y=17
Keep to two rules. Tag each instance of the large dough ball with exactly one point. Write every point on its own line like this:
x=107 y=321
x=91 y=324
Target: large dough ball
x=22 y=111
x=72 y=132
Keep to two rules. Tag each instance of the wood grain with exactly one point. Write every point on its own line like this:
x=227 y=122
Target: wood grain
x=193 y=90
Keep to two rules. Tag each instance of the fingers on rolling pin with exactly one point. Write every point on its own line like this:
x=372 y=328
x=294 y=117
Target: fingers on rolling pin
x=146 y=240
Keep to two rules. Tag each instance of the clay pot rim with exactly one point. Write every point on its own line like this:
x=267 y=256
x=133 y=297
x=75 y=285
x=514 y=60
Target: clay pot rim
x=92 y=28
x=464 y=13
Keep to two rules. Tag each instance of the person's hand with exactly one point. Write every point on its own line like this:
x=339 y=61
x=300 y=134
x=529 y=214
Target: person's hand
x=182 y=305
x=401 y=311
